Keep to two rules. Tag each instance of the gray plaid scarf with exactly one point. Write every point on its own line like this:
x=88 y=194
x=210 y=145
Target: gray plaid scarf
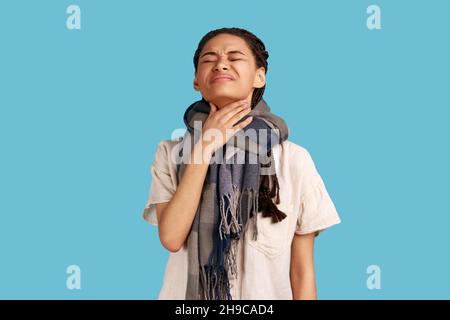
x=233 y=192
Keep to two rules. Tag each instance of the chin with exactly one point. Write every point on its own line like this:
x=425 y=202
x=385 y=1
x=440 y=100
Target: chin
x=223 y=93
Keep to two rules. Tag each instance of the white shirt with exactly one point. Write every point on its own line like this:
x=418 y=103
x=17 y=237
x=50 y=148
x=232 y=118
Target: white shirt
x=263 y=264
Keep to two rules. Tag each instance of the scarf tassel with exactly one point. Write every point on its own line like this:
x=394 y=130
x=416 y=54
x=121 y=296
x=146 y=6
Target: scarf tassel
x=215 y=282
x=231 y=221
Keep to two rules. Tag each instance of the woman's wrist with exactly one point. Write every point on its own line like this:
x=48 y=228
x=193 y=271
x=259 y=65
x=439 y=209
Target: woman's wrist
x=202 y=152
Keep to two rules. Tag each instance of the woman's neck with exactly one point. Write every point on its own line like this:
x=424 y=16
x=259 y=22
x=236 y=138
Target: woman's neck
x=222 y=102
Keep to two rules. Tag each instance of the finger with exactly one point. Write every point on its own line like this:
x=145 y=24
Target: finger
x=243 y=124
x=232 y=113
x=232 y=106
x=238 y=116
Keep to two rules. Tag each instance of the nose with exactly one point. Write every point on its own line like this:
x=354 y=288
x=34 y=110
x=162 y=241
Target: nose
x=221 y=63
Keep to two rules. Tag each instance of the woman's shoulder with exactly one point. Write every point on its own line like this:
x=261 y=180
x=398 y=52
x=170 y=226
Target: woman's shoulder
x=294 y=153
x=297 y=166
x=167 y=146
x=295 y=161
x=165 y=156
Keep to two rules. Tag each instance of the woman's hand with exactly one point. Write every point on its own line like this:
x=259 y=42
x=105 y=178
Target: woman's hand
x=220 y=126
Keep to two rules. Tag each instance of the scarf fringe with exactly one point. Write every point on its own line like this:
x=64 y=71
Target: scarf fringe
x=233 y=226
x=215 y=282
x=215 y=279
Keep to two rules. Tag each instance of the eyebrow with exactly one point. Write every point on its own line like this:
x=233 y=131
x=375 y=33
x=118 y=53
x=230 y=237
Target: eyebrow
x=214 y=54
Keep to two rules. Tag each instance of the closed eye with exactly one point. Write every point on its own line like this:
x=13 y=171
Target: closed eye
x=214 y=61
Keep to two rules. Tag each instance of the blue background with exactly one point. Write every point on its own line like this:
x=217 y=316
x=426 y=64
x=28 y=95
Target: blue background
x=82 y=111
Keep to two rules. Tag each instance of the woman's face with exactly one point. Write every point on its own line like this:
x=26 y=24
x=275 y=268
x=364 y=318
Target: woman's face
x=228 y=56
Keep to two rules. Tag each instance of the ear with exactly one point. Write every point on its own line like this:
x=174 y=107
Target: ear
x=196 y=87
x=260 y=78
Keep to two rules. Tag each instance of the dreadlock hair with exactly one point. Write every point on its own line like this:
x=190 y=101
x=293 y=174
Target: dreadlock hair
x=256 y=46
x=269 y=187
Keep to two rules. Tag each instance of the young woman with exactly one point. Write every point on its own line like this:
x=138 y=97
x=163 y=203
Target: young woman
x=236 y=230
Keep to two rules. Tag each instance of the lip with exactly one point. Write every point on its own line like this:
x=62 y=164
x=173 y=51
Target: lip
x=222 y=77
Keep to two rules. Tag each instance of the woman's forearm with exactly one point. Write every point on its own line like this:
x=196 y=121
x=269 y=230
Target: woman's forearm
x=176 y=221
x=303 y=280
x=304 y=286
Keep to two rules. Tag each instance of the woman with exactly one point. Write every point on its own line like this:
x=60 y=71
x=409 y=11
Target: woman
x=236 y=230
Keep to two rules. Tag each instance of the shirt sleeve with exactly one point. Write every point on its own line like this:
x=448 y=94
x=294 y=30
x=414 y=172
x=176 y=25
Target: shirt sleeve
x=317 y=210
x=163 y=184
